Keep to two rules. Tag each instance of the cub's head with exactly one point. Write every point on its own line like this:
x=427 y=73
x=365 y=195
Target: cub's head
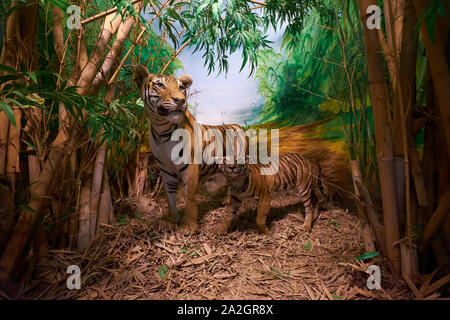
x=164 y=95
x=236 y=174
x=233 y=171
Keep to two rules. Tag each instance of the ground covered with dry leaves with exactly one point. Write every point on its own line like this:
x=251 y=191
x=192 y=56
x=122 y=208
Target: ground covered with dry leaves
x=140 y=257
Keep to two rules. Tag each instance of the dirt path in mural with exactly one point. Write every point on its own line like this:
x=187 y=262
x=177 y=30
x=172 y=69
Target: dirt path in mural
x=142 y=258
x=308 y=138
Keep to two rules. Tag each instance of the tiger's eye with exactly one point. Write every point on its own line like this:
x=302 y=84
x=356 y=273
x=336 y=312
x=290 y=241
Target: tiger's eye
x=159 y=85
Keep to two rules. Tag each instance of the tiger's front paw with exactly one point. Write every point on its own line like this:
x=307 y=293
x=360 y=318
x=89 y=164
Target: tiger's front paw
x=263 y=229
x=221 y=229
x=173 y=217
x=188 y=228
x=307 y=226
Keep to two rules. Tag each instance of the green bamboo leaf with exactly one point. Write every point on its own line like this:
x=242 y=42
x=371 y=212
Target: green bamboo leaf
x=244 y=60
x=29 y=144
x=32 y=75
x=9 y=112
x=7 y=69
x=14 y=101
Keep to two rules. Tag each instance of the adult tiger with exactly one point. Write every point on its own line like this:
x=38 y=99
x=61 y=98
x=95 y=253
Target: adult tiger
x=165 y=101
x=295 y=171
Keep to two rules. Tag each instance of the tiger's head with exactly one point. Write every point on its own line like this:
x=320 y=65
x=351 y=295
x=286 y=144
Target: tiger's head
x=234 y=170
x=163 y=95
x=236 y=174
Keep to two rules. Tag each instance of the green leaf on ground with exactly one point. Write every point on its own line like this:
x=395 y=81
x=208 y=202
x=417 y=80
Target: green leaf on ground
x=162 y=271
x=368 y=255
x=307 y=246
x=334 y=223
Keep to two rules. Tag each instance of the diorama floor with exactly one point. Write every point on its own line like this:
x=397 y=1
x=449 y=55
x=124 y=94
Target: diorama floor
x=142 y=257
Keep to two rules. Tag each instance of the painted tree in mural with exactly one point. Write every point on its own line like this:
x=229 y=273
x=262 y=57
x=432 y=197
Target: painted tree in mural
x=72 y=128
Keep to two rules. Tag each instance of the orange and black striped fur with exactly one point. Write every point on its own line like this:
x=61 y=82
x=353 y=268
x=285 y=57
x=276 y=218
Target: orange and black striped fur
x=295 y=172
x=165 y=100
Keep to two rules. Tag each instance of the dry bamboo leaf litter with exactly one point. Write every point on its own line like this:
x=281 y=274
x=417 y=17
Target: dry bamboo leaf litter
x=147 y=259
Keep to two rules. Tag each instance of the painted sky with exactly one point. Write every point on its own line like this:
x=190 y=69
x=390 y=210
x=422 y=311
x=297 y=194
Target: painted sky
x=224 y=98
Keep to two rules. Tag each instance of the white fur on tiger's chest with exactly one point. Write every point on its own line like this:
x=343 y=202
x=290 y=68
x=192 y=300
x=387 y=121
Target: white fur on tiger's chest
x=163 y=152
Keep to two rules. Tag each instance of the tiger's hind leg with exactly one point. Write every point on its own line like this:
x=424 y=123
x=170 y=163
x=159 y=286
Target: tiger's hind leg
x=309 y=209
x=307 y=224
x=262 y=211
x=311 y=215
x=316 y=212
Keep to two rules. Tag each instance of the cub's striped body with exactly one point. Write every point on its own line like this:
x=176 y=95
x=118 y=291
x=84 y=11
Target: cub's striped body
x=165 y=100
x=295 y=172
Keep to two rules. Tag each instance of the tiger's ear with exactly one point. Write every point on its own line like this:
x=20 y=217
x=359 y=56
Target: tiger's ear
x=141 y=74
x=186 y=80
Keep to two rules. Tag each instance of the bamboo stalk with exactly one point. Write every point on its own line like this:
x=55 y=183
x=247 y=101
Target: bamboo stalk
x=82 y=57
x=436 y=219
x=410 y=260
x=418 y=179
x=10 y=50
x=142 y=177
x=130 y=184
x=105 y=203
x=383 y=137
x=74 y=219
x=395 y=32
x=103 y=14
x=116 y=50
x=83 y=217
x=58 y=38
x=365 y=228
x=394 y=27
x=34 y=166
x=439 y=251
x=12 y=156
x=137 y=171
x=110 y=27
x=96 y=188
x=368 y=210
x=439 y=70
x=20 y=43
x=4 y=126
x=6 y=211
x=157 y=14
x=113 y=77
x=176 y=54
x=111 y=210
x=29 y=216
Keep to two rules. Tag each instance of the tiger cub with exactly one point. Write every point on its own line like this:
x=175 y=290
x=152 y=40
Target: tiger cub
x=295 y=171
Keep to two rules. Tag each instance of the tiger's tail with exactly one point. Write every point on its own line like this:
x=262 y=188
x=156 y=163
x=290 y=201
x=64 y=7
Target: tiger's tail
x=334 y=179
